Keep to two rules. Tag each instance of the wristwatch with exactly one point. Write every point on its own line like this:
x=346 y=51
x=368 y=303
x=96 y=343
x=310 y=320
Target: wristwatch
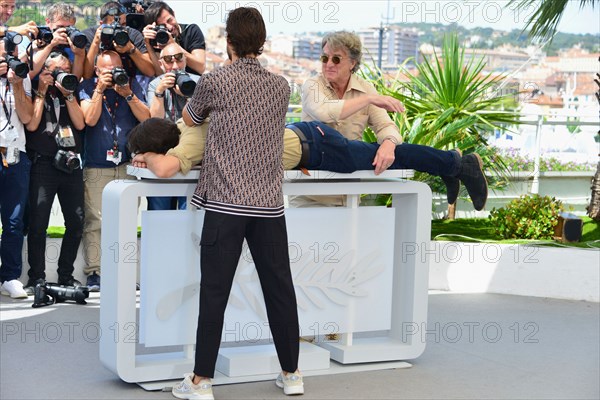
x=130 y=52
x=70 y=97
x=129 y=98
x=159 y=95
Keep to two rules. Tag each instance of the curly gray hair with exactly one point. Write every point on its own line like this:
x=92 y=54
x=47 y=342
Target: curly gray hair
x=348 y=41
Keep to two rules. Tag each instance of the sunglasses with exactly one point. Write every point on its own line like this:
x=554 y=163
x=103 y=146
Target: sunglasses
x=115 y=11
x=334 y=59
x=169 y=59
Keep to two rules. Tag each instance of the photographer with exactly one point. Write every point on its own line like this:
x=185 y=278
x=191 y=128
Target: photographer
x=112 y=106
x=164 y=95
x=133 y=52
x=167 y=101
x=15 y=99
x=53 y=145
x=60 y=22
x=160 y=17
x=7 y=8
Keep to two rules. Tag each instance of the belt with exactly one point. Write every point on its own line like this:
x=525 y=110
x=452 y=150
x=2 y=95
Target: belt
x=305 y=158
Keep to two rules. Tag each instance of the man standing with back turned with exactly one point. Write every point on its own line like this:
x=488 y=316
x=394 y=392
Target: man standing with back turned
x=241 y=190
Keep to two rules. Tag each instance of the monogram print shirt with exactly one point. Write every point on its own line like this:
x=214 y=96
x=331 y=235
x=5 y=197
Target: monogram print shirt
x=242 y=170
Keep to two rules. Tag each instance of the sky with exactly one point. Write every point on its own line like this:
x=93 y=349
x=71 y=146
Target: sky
x=325 y=15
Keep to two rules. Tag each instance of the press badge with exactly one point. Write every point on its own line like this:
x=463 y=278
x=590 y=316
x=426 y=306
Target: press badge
x=12 y=155
x=113 y=155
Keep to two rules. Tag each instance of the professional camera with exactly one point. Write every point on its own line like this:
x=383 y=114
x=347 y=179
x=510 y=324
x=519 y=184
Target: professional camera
x=162 y=36
x=45 y=294
x=119 y=76
x=79 y=39
x=133 y=17
x=185 y=83
x=113 y=32
x=66 y=160
x=44 y=34
x=20 y=68
x=11 y=41
x=66 y=80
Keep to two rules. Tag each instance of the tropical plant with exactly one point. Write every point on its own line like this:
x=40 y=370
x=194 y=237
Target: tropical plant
x=451 y=103
x=548 y=13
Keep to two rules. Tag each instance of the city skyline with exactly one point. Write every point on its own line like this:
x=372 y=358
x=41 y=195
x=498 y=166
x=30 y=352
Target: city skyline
x=289 y=17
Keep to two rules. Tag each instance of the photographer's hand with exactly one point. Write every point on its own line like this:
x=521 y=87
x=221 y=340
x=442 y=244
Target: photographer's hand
x=3 y=66
x=59 y=37
x=27 y=29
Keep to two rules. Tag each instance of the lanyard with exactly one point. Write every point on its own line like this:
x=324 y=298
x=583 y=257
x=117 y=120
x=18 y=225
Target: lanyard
x=113 y=115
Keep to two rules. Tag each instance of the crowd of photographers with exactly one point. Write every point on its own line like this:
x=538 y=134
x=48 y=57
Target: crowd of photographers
x=69 y=100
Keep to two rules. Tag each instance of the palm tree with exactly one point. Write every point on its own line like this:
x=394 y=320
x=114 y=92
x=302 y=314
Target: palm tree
x=547 y=14
x=451 y=103
x=544 y=22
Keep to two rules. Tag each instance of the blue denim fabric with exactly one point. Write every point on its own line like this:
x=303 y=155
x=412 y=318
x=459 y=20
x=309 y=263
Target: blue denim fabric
x=167 y=203
x=331 y=151
x=14 y=188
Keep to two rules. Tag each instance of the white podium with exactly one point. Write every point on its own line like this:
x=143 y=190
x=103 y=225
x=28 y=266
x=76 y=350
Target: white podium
x=360 y=277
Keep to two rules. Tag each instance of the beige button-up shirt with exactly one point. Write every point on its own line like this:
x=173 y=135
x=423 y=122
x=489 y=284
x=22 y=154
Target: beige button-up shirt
x=320 y=103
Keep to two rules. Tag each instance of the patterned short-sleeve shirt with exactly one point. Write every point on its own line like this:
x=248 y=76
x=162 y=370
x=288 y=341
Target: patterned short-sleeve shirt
x=242 y=170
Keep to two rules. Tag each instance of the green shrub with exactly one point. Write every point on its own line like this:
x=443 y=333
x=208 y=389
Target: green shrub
x=528 y=217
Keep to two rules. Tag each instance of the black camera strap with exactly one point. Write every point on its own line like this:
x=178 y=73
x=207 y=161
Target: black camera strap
x=7 y=110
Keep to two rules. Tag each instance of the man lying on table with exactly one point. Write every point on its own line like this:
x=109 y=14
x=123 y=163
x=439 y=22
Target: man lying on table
x=307 y=145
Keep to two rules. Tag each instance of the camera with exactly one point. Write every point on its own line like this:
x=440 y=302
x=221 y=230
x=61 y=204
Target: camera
x=162 y=36
x=113 y=32
x=79 y=39
x=11 y=41
x=186 y=84
x=20 y=68
x=119 y=76
x=66 y=160
x=44 y=34
x=66 y=80
x=46 y=294
x=133 y=17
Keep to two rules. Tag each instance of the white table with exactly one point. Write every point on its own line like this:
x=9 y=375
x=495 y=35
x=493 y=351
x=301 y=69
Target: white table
x=377 y=252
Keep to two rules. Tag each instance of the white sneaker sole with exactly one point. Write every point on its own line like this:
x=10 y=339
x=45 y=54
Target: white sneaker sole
x=290 y=390
x=15 y=295
x=192 y=396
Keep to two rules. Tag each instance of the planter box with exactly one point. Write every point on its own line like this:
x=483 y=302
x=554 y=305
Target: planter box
x=563 y=273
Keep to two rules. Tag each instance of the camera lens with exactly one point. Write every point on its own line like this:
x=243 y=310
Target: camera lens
x=20 y=68
x=162 y=36
x=185 y=83
x=78 y=38
x=121 y=37
x=120 y=77
x=68 y=81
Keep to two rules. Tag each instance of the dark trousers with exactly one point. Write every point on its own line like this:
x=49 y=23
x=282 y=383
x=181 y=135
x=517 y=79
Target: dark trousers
x=220 y=250
x=45 y=183
x=14 y=183
x=331 y=151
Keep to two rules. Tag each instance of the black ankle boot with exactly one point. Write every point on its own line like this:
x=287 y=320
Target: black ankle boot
x=472 y=176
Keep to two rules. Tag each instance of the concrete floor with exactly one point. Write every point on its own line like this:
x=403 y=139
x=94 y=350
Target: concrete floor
x=479 y=346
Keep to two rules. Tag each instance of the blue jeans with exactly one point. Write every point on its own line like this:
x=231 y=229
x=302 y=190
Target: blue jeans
x=167 y=203
x=14 y=187
x=333 y=152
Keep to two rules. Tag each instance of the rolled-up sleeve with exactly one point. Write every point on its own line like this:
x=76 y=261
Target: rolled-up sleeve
x=190 y=149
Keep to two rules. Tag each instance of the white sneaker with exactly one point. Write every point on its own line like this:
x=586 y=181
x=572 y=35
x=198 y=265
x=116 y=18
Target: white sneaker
x=14 y=289
x=291 y=383
x=187 y=390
